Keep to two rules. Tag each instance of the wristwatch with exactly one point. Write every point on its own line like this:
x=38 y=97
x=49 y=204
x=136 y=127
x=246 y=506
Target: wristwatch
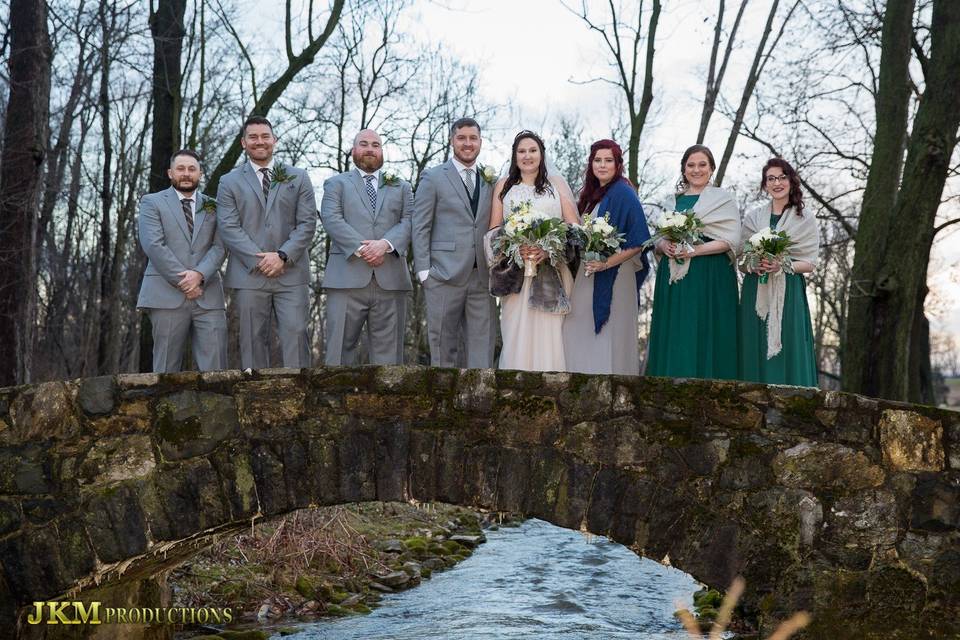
x=282 y=255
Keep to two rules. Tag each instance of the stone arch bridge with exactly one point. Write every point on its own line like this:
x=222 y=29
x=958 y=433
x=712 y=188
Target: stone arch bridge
x=844 y=506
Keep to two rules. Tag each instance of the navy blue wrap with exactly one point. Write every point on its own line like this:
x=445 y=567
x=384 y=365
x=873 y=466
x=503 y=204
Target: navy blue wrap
x=627 y=216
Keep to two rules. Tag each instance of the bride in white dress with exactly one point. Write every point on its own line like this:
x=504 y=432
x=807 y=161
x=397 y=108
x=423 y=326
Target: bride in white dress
x=532 y=339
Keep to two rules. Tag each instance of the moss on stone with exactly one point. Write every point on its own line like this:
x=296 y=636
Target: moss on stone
x=451 y=547
x=416 y=543
x=802 y=407
x=337 y=610
x=175 y=431
x=305 y=586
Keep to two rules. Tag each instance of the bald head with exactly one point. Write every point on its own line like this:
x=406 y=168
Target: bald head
x=368 y=150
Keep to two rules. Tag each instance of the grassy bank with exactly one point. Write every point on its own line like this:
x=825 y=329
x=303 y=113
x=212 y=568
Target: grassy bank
x=331 y=561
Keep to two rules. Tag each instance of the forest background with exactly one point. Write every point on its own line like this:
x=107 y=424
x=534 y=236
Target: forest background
x=862 y=96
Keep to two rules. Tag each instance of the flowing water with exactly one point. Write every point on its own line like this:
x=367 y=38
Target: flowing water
x=532 y=581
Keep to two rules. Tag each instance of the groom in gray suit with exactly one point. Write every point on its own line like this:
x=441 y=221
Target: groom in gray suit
x=451 y=214
x=181 y=287
x=366 y=212
x=267 y=213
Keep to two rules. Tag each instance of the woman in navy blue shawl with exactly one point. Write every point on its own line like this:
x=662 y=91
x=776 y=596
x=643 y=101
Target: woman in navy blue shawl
x=600 y=333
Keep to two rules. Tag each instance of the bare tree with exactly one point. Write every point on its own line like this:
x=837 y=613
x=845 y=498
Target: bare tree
x=296 y=62
x=760 y=60
x=21 y=172
x=715 y=75
x=624 y=40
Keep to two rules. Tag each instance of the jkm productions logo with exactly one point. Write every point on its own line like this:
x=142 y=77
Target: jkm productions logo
x=96 y=613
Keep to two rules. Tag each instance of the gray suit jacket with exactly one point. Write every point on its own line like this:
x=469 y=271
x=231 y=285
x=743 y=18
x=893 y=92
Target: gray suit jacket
x=163 y=235
x=447 y=239
x=286 y=221
x=348 y=219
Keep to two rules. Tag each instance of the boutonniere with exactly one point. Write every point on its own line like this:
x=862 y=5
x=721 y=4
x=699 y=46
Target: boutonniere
x=389 y=178
x=209 y=206
x=279 y=175
x=488 y=174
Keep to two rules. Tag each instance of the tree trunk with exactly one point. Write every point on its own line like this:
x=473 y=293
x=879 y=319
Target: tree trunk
x=103 y=328
x=166 y=27
x=295 y=64
x=895 y=289
x=21 y=167
x=880 y=194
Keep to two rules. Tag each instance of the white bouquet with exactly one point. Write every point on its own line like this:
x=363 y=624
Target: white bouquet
x=767 y=244
x=526 y=226
x=599 y=238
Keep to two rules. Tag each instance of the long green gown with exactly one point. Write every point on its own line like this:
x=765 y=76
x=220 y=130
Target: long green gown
x=796 y=363
x=693 y=333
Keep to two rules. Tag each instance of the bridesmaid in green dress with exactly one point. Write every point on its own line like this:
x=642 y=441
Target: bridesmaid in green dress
x=794 y=362
x=693 y=333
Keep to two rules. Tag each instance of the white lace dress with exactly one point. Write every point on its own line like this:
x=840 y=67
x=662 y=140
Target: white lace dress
x=532 y=339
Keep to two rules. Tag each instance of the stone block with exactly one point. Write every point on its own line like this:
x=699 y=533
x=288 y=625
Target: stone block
x=936 y=503
x=233 y=465
x=358 y=475
x=476 y=391
x=194 y=423
x=266 y=404
x=423 y=462
x=115 y=522
x=96 y=395
x=10 y=519
x=25 y=470
x=118 y=458
x=910 y=441
x=860 y=526
x=824 y=465
x=184 y=499
x=513 y=480
x=392 y=443
x=43 y=412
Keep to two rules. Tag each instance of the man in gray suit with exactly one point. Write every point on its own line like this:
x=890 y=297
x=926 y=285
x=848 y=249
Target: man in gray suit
x=181 y=287
x=367 y=213
x=267 y=212
x=451 y=214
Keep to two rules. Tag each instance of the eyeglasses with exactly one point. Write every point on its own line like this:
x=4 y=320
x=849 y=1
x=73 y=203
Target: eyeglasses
x=775 y=179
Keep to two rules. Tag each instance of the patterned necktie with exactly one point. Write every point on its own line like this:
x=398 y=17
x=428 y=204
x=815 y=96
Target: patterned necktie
x=188 y=214
x=265 y=182
x=371 y=192
x=469 y=180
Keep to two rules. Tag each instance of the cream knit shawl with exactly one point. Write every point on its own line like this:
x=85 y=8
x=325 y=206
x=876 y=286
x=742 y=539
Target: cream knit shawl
x=717 y=210
x=803 y=231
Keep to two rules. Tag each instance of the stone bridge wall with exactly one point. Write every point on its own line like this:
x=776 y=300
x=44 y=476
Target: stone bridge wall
x=842 y=505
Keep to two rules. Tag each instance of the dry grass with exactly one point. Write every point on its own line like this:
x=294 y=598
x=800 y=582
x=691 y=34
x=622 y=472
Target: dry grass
x=789 y=627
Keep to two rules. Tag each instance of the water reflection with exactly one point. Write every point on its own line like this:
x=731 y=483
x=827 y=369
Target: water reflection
x=533 y=581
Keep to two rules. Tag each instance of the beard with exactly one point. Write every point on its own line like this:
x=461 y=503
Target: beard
x=368 y=162
x=185 y=184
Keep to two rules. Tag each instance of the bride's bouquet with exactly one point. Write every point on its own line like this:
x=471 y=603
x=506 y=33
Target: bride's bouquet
x=598 y=237
x=683 y=228
x=527 y=226
x=767 y=244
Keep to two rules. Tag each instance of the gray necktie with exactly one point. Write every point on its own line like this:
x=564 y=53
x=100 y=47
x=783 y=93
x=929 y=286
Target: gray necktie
x=469 y=180
x=186 y=203
x=265 y=182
